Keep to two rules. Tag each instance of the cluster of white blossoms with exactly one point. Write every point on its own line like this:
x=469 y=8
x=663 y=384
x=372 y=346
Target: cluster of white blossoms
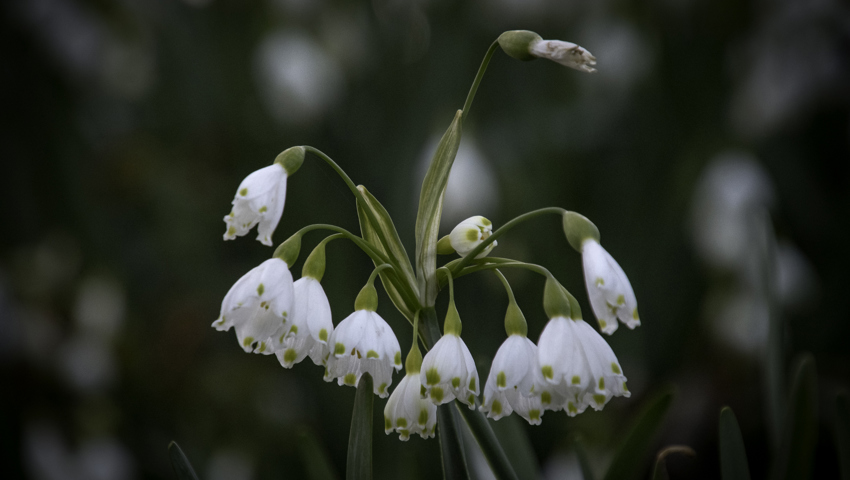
x=570 y=368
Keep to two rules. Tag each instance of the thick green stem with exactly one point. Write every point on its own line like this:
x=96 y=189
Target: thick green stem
x=481 y=69
x=469 y=258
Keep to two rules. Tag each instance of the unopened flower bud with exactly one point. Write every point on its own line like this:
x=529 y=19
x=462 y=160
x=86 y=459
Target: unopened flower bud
x=469 y=233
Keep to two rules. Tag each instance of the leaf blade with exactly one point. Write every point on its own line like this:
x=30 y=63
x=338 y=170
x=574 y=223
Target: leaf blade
x=799 y=436
x=451 y=443
x=490 y=446
x=359 y=462
x=182 y=468
x=733 y=455
x=635 y=446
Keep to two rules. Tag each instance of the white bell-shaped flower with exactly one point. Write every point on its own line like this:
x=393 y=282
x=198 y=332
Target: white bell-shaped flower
x=448 y=372
x=566 y=53
x=469 y=233
x=407 y=412
x=512 y=381
x=309 y=328
x=363 y=342
x=580 y=365
x=259 y=200
x=258 y=305
x=608 y=288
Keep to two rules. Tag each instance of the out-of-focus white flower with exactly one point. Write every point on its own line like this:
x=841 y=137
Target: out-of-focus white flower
x=448 y=372
x=581 y=367
x=566 y=53
x=361 y=343
x=511 y=385
x=610 y=292
x=309 y=328
x=407 y=412
x=259 y=200
x=258 y=305
x=469 y=233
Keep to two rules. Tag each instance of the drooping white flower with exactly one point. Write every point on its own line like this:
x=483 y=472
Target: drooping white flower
x=513 y=381
x=258 y=305
x=608 y=288
x=363 y=342
x=566 y=53
x=309 y=328
x=448 y=372
x=469 y=233
x=407 y=412
x=577 y=362
x=259 y=200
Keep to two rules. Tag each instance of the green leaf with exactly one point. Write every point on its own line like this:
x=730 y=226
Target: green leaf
x=393 y=249
x=660 y=470
x=583 y=460
x=431 y=208
x=799 y=436
x=317 y=463
x=629 y=461
x=490 y=446
x=733 y=456
x=359 y=463
x=451 y=443
x=774 y=364
x=842 y=433
x=182 y=468
x=510 y=430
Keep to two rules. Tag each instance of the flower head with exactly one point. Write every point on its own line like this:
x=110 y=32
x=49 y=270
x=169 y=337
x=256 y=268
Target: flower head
x=610 y=292
x=407 y=412
x=581 y=367
x=259 y=200
x=363 y=342
x=448 y=372
x=309 y=328
x=511 y=385
x=469 y=233
x=258 y=305
x=566 y=53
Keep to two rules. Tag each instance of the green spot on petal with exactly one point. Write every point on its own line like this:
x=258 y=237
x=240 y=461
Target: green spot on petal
x=472 y=235
x=388 y=424
x=339 y=349
x=603 y=324
x=485 y=222
x=472 y=383
x=422 y=390
x=243 y=192
x=437 y=394
x=599 y=399
x=290 y=355
x=382 y=388
x=263 y=209
x=423 y=416
x=599 y=281
x=247 y=341
x=231 y=230
x=371 y=354
x=576 y=380
x=350 y=379
x=625 y=388
x=456 y=382
x=497 y=407
x=432 y=377
x=293 y=329
x=621 y=300
x=547 y=371
x=323 y=335
x=602 y=384
x=534 y=414
x=470 y=399
x=545 y=398
x=635 y=314
x=571 y=407
x=401 y=423
x=615 y=368
x=501 y=381
x=260 y=289
x=397 y=358
x=262 y=347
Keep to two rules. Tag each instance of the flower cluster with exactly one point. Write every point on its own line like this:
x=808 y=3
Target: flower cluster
x=570 y=368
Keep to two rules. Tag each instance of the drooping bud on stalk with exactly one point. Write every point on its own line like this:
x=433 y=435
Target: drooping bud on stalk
x=291 y=159
x=314 y=266
x=555 y=302
x=525 y=45
x=517 y=43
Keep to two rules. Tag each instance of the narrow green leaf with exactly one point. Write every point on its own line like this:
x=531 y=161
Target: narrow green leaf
x=629 y=461
x=317 y=463
x=451 y=443
x=511 y=431
x=660 y=470
x=431 y=208
x=359 y=463
x=799 y=436
x=583 y=460
x=490 y=446
x=842 y=433
x=182 y=468
x=733 y=456
x=774 y=362
x=370 y=234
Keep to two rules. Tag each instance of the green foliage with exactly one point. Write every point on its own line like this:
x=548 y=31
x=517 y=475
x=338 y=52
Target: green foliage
x=799 y=435
x=490 y=446
x=182 y=468
x=451 y=443
x=629 y=460
x=359 y=463
x=733 y=456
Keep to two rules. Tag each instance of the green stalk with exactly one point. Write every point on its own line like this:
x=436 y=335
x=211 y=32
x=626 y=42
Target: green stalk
x=481 y=69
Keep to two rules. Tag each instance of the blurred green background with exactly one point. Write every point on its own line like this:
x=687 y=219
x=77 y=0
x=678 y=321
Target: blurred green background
x=128 y=124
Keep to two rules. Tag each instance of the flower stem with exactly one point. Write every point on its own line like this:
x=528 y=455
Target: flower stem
x=481 y=69
x=470 y=257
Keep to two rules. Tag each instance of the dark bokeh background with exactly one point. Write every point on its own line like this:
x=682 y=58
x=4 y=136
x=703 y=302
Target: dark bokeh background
x=128 y=124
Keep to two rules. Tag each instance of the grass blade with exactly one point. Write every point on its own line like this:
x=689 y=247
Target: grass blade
x=182 y=468
x=451 y=443
x=800 y=433
x=490 y=446
x=359 y=463
x=733 y=456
